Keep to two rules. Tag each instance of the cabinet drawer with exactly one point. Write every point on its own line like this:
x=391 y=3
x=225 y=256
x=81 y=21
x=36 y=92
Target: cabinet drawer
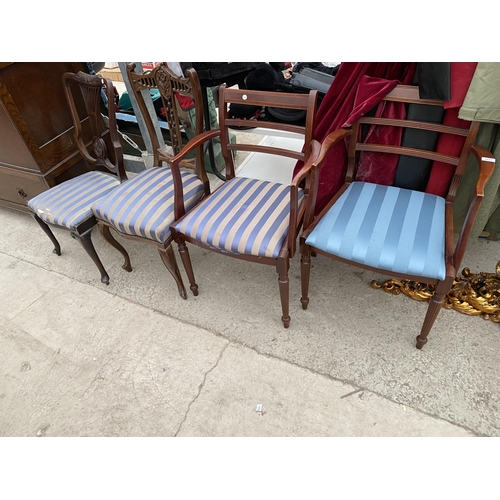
x=19 y=187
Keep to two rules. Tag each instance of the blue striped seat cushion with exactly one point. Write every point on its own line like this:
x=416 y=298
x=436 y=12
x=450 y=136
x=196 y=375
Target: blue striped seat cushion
x=244 y=216
x=69 y=204
x=385 y=227
x=144 y=205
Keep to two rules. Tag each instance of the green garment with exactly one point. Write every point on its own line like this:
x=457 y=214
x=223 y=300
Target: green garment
x=214 y=124
x=482 y=103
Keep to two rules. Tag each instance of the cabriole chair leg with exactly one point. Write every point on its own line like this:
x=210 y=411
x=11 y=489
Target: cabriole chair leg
x=87 y=244
x=168 y=257
x=106 y=233
x=49 y=233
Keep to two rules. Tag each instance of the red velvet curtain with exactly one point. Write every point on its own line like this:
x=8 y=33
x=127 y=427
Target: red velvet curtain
x=460 y=77
x=354 y=92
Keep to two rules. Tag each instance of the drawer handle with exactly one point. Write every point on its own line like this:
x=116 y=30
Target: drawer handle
x=21 y=193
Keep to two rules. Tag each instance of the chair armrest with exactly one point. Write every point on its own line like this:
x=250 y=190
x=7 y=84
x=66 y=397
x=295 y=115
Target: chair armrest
x=309 y=172
x=313 y=165
x=327 y=143
x=486 y=162
x=315 y=148
x=195 y=142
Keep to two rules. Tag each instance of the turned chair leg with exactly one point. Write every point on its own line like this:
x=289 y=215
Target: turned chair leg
x=49 y=233
x=106 y=233
x=305 y=272
x=168 y=257
x=435 y=305
x=186 y=261
x=282 y=269
x=87 y=244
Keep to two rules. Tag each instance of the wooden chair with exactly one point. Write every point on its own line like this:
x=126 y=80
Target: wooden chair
x=68 y=205
x=142 y=209
x=397 y=231
x=251 y=219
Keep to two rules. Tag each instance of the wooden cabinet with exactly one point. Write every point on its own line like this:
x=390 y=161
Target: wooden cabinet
x=37 y=150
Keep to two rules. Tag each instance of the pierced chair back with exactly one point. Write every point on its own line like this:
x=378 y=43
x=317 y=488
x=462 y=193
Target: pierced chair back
x=400 y=230
x=143 y=208
x=68 y=205
x=170 y=85
x=105 y=151
x=251 y=218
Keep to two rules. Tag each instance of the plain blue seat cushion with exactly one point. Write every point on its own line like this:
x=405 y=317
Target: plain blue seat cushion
x=144 y=205
x=244 y=216
x=69 y=204
x=393 y=229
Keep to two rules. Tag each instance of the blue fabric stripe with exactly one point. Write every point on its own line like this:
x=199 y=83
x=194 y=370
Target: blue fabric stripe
x=246 y=198
x=270 y=236
x=212 y=206
x=136 y=210
x=160 y=228
x=422 y=235
x=392 y=238
x=384 y=203
x=436 y=248
x=249 y=219
x=239 y=217
x=83 y=202
x=113 y=204
x=335 y=221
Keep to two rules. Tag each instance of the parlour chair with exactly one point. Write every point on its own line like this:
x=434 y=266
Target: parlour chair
x=67 y=205
x=251 y=219
x=401 y=232
x=142 y=209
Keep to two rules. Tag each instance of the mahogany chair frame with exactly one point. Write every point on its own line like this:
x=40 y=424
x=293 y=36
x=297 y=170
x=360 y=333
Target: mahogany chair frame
x=105 y=145
x=453 y=252
x=306 y=176
x=168 y=83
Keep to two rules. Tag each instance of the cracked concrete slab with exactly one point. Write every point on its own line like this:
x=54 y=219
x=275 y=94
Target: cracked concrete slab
x=297 y=402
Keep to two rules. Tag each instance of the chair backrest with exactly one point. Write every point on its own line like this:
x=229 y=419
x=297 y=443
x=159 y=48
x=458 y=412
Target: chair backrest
x=284 y=100
x=105 y=151
x=429 y=121
x=163 y=79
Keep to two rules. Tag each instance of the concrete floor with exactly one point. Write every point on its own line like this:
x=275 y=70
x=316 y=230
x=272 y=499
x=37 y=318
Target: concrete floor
x=133 y=359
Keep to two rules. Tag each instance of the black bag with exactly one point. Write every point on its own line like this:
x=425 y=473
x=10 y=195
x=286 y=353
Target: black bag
x=308 y=79
x=215 y=73
x=266 y=78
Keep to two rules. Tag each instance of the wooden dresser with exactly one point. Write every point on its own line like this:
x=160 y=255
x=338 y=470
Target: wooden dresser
x=37 y=150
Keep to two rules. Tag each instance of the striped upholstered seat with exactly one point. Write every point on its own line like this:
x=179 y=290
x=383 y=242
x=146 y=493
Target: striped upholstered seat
x=385 y=227
x=144 y=205
x=231 y=219
x=68 y=204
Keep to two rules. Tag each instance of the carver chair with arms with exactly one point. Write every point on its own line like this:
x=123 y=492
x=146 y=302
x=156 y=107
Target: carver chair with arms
x=253 y=219
x=402 y=232
x=142 y=209
x=68 y=205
